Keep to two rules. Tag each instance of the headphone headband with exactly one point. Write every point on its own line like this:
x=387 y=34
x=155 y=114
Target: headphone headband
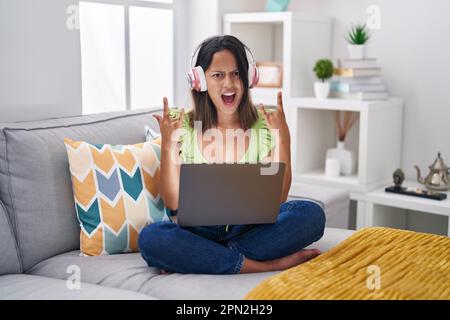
x=248 y=53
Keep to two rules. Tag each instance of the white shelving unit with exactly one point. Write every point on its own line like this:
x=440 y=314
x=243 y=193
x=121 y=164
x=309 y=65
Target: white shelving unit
x=294 y=39
x=297 y=41
x=380 y=208
x=376 y=139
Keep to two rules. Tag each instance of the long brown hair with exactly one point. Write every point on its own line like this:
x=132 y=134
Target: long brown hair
x=204 y=109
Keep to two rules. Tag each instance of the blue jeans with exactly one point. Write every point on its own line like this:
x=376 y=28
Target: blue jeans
x=214 y=250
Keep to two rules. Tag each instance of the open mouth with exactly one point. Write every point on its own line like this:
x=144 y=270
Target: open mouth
x=228 y=98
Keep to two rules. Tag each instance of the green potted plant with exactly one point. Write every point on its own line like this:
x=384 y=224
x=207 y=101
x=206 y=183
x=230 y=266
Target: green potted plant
x=324 y=70
x=357 y=37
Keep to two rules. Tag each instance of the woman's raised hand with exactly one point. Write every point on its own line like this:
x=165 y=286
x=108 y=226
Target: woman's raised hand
x=168 y=125
x=277 y=119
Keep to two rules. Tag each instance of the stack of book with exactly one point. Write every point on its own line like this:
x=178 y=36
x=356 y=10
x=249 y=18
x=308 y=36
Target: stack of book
x=358 y=80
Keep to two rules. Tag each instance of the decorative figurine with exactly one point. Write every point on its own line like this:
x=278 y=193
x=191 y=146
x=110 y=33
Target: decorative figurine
x=399 y=177
x=439 y=176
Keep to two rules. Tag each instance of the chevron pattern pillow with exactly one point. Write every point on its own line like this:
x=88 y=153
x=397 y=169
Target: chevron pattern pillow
x=116 y=193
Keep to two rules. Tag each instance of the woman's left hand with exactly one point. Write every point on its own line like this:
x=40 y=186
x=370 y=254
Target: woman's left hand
x=277 y=119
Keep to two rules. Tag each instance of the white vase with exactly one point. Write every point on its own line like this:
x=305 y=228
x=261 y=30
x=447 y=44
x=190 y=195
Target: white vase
x=332 y=168
x=346 y=158
x=357 y=51
x=321 y=89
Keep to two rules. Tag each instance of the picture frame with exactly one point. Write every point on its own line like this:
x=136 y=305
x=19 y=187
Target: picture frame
x=270 y=74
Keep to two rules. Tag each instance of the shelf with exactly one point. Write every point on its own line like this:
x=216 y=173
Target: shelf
x=273 y=17
x=375 y=140
x=318 y=177
x=379 y=196
x=342 y=104
x=350 y=183
x=267 y=96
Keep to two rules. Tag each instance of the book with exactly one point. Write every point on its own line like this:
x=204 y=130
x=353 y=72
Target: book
x=348 y=87
x=357 y=80
x=361 y=96
x=357 y=63
x=357 y=72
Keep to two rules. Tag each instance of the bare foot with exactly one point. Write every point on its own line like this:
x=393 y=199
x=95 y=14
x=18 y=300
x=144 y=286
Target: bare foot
x=162 y=271
x=294 y=259
x=279 y=264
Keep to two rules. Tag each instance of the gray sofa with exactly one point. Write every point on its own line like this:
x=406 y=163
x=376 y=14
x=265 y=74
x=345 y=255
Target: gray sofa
x=39 y=231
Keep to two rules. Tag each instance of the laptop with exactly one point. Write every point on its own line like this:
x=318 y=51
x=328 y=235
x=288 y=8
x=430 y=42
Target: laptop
x=229 y=193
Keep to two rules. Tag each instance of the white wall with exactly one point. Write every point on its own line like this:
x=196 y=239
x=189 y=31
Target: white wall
x=203 y=21
x=413 y=48
x=181 y=38
x=40 y=74
x=232 y=6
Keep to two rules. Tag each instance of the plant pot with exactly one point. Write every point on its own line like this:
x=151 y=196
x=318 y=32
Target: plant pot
x=357 y=51
x=321 y=89
x=346 y=158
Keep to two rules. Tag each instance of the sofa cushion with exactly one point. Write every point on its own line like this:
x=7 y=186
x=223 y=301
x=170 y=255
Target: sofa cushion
x=116 y=193
x=26 y=287
x=125 y=271
x=129 y=271
x=35 y=181
x=9 y=255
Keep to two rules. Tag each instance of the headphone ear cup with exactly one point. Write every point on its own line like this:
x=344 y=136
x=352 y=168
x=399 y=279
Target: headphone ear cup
x=253 y=75
x=197 y=79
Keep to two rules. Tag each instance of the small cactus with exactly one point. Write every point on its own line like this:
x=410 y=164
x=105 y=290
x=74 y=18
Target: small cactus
x=358 y=34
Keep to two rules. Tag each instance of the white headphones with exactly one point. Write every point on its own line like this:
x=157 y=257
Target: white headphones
x=197 y=78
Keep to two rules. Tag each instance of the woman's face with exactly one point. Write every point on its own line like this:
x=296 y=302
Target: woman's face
x=225 y=87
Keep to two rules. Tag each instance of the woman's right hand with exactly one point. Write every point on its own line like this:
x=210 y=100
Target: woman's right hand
x=168 y=126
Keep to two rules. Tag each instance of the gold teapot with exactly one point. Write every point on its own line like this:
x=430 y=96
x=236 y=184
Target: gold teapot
x=438 y=178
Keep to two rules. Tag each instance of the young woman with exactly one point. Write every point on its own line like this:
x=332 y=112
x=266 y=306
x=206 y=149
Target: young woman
x=222 y=102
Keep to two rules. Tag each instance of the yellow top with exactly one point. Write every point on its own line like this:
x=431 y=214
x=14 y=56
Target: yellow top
x=261 y=142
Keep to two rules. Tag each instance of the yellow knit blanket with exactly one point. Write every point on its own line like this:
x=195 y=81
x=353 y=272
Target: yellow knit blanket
x=373 y=263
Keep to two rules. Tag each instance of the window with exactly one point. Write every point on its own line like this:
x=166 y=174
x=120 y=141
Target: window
x=151 y=56
x=127 y=54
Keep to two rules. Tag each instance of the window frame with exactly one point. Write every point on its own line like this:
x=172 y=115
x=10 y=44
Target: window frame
x=175 y=6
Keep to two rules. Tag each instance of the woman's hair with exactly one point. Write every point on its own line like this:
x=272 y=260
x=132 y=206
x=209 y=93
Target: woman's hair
x=204 y=109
